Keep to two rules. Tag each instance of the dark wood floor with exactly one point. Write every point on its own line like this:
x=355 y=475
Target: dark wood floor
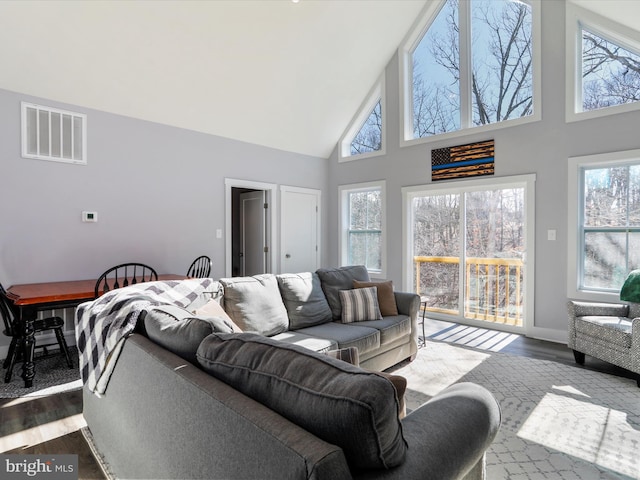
x=520 y=345
x=47 y=425
x=52 y=424
x=540 y=349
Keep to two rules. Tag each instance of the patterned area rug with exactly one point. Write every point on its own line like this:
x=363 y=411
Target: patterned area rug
x=52 y=376
x=558 y=422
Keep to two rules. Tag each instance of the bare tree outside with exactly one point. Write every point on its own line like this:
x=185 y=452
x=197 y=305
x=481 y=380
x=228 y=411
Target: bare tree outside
x=369 y=138
x=611 y=225
x=492 y=248
x=501 y=70
x=610 y=73
x=365 y=228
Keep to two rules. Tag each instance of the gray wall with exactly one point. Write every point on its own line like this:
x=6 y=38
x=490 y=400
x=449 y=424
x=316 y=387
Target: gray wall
x=541 y=148
x=159 y=192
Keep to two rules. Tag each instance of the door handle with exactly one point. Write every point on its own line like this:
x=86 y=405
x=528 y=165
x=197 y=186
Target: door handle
x=287 y=256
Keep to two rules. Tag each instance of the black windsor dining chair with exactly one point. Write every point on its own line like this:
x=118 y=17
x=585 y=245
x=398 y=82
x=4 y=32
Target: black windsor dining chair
x=124 y=275
x=200 y=268
x=14 y=329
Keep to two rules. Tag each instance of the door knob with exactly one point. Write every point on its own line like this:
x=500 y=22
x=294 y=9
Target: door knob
x=287 y=256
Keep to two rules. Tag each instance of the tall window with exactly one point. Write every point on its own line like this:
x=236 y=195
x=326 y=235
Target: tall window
x=603 y=65
x=363 y=219
x=604 y=205
x=365 y=136
x=473 y=65
x=470 y=252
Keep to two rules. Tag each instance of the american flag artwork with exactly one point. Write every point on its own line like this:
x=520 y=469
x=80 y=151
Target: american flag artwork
x=470 y=160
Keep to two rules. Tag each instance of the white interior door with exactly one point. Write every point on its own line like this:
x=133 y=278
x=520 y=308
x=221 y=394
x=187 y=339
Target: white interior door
x=300 y=230
x=252 y=233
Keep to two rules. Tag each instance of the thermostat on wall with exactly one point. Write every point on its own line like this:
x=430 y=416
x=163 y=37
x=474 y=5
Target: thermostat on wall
x=89 y=216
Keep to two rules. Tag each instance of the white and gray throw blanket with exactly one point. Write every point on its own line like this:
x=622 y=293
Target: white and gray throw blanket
x=103 y=324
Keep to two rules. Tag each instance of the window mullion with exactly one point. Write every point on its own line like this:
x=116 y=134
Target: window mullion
x=464 y=19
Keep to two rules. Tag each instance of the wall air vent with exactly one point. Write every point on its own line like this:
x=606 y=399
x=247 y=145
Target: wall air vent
x=53 y=134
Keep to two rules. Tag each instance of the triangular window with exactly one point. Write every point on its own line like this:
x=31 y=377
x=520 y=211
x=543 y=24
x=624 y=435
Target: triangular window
x=369 y=138
x=365 y=136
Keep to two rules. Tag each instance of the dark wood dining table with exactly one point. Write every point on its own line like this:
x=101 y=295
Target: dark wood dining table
x=31 y=298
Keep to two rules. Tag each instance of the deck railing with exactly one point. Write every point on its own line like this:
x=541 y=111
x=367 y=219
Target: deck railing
x=493 y=288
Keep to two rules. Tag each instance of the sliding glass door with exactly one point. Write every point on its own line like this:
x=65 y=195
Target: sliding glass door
x=468 y=248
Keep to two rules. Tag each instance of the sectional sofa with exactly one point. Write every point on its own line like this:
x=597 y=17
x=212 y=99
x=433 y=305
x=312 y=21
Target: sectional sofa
x=191 y=397
x=308 y=309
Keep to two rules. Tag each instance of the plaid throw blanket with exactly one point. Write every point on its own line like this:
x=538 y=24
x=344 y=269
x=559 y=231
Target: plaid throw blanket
x=103 y=324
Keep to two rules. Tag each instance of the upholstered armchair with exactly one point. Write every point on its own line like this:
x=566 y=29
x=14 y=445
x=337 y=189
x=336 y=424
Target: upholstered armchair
x=607 y=331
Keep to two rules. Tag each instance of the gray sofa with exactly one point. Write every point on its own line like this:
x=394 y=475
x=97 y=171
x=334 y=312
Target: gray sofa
x=162 y=417
x=189 y=397
x=307 y=309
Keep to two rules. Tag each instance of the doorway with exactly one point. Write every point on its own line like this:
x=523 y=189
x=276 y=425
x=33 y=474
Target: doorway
x=249 y=232
x=251 y=244
x=300 y=229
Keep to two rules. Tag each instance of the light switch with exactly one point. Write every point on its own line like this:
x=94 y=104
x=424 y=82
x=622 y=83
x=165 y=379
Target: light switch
x=551 y=234
x=219 y=233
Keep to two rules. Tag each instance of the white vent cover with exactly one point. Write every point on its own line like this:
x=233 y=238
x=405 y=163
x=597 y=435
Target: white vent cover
x=53 y=134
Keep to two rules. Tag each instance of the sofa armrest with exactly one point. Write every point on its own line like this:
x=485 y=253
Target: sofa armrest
x=581 y=309
x=447 y=436
x=408 y=304
x=635 y=345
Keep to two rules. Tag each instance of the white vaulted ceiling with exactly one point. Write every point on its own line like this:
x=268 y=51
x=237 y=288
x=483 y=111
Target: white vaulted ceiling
x=275 y=73
x=271 y=72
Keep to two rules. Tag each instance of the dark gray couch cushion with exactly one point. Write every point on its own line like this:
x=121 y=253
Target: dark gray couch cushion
x=255 y=305
x=304 y=299
x=338 y=402
x=391 y=328
x=335 y=279
x=365 y=339
x=179 y=330
x=316 y=344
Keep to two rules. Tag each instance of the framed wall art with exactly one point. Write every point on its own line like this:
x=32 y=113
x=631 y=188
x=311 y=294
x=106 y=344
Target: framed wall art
x=470 y=160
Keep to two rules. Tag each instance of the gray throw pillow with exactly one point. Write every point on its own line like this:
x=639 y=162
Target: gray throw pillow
x=342 y=404
x=179 y=330
x=360 y=304
x=304 y=299
x=255 y=305
x=335 y=279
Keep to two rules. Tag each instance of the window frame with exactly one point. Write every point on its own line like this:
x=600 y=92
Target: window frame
x=405 y=52
x=375 y=95
x=343 y=205
x=577 y=19
x=575 y=245
x=527 y=181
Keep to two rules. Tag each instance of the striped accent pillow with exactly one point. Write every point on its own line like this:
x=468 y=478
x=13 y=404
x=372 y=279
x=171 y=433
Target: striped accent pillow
x=360 y=304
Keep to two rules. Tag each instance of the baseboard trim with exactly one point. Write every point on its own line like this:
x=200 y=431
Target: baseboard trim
x=548 y=334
